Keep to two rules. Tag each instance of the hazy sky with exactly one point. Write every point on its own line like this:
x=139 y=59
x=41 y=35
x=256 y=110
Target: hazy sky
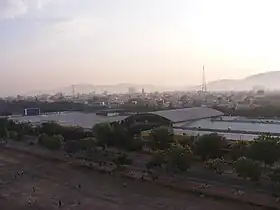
x=52 y=43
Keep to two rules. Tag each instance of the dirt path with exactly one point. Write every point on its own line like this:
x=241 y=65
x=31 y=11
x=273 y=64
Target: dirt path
x=25 y=179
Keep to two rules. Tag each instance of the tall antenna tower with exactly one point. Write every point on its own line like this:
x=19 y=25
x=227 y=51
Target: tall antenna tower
x=204 y=85
x=73 y=91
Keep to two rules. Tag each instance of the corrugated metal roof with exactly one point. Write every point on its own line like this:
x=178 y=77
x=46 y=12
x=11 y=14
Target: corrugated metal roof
x=228 y=136
x=87 y=120
x=182 y=115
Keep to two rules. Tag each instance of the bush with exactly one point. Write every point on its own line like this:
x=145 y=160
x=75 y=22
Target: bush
x=178 y=158
x=248 y=168
x=239 y=149
x=87 y=143
x=161 y=138
x=13 y=135
x=210 y=146
x=216 y=165
x=50 y=142
x=157 y=160
x=275 y=178
x=72 y=147
x=53 y=144
x=265 y=149
x=122 y=159
x=135 y=145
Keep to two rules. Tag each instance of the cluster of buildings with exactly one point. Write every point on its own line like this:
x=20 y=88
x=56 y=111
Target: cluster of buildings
x=188 y=113
x=171 y=99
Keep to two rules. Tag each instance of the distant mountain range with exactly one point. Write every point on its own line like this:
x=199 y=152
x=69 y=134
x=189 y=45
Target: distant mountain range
x=268 y=80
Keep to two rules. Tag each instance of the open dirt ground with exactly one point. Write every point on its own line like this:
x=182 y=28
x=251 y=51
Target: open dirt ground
x=30 y=183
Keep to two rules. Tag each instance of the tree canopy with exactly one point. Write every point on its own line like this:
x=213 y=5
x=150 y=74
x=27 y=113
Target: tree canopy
x=216 y=165
x=265 y=148
x=50 y=142
x=178 y=158
x=210 y=146
x=239 y=149
x=103 y=134
x=248 y=168
x=161 y=138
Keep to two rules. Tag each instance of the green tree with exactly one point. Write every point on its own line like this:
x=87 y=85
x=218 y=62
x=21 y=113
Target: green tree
x=72 y=147
x=210 y=146
x=187 y=141
x=265 y=149
x=158 y=159
x=51 y=128
x=26 y=128
x=3 y=128
x=41 y=138
x=59 y=138
x=178 y=158
x=122 y=159
x=103 y=134
x=135 y=144
x=73 y=133
x=13 y=135
x=87 y=143
x=248 y=168
x=239 y=149
x=161 y=139
x=275 y=178
x=53 y=143
x=120 y=137
x=275 y=174
x=50 y=142
x=217 y=165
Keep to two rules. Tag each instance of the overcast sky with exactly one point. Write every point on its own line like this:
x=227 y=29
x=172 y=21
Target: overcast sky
x=46 y=44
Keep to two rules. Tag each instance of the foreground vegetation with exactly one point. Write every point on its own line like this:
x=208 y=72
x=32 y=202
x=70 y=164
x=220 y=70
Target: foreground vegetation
x=256 y=160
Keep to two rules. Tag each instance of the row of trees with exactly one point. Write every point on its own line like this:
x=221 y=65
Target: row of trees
x=249 y=159
x=176 y=155
x=9 y=128
x=73 y=139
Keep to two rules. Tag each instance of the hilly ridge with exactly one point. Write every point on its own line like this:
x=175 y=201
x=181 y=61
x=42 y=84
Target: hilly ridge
x=267 y=80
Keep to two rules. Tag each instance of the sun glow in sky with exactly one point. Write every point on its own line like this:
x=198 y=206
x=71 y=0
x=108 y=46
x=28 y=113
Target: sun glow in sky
x=51 y=43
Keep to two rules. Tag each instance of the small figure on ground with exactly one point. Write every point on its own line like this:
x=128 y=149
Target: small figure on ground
x=59 y=204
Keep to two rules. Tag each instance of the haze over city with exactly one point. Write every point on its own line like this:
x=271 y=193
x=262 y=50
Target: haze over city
x=139 y=104
x=45 y=44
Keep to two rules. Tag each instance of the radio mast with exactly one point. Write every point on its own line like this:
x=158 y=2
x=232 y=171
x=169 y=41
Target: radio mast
x=73 y=91
x=204 y=84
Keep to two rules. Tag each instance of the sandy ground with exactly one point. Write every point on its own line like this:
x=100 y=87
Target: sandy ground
x=30 y=183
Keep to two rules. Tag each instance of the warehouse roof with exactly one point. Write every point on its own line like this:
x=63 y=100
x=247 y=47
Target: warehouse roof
x=87 y=120
x=186 y=114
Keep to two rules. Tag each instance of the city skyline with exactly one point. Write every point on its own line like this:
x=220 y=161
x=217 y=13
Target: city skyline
x=45 y=44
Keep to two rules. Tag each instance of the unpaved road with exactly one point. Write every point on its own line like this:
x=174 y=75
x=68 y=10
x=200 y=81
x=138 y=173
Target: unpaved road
x=30 y=183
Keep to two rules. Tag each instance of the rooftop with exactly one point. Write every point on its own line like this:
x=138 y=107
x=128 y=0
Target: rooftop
x=87 y=120
x=186 y=114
